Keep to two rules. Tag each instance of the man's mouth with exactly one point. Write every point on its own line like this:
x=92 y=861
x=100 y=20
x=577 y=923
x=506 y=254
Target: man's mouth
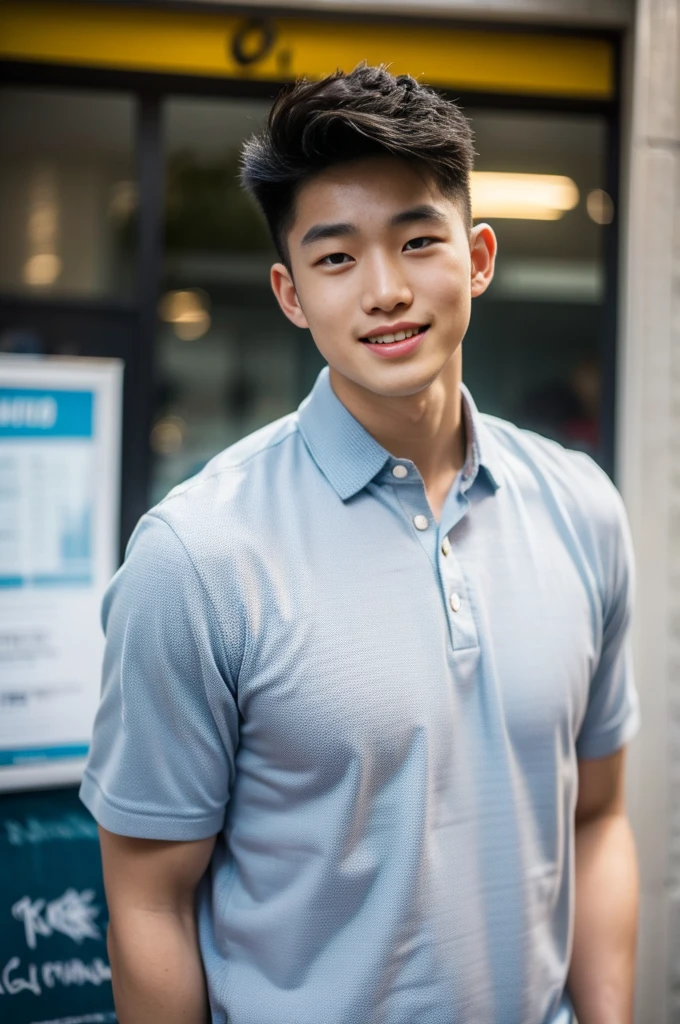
x=390 y=339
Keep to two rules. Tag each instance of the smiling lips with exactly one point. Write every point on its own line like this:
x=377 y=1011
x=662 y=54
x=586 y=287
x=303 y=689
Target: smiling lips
x=397 y=335
x=403 y=339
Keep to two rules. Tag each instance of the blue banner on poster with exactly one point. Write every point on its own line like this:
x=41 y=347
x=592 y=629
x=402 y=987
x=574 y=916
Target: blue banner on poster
x=24 y=755
x=37 y=412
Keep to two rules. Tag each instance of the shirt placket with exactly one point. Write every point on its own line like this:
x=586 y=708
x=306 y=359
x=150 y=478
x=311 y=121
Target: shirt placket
x=410 y=492
x=455 y=590
x=439 y=543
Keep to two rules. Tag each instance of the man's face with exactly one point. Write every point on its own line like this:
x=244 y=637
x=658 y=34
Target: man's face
x=377 y=250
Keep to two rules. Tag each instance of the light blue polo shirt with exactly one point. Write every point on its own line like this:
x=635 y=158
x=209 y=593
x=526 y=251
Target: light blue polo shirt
x=380 y=716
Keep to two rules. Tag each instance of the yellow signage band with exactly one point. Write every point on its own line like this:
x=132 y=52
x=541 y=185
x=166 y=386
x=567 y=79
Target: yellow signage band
x=276 y=49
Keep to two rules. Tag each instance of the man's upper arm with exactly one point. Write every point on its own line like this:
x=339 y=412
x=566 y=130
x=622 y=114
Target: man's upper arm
x=600 y=787
x=161 y=762
x=612 y=715
x=152 y=875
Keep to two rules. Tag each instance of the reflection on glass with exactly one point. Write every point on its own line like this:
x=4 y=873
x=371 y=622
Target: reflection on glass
x=188 y=311
x=521 y=196
x=67 y=192
x=227 y=361
x=532 y=351
x=600 y=206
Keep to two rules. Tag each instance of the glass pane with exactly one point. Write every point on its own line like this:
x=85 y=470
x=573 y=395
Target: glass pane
x=67 y=193
x=227 y=361
x=532 y=351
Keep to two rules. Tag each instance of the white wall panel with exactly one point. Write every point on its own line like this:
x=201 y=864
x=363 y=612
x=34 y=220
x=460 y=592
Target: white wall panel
x=649 y=473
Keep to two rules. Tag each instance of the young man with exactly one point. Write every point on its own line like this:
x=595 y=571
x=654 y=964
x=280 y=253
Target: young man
x=359 y=757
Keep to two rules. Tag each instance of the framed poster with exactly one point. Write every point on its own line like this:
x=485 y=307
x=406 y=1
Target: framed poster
x=60 y=425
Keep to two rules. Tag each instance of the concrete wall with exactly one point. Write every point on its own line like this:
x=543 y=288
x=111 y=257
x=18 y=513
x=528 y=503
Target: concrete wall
x=649 y=475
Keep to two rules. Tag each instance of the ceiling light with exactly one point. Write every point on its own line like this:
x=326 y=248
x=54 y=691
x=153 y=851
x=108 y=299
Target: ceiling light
x=167 y=435
x=192 y=327
x=187 y=311
x=600 y=206
x=521 y=196
x=42 y=269
x=123 y=200
x=551 y=280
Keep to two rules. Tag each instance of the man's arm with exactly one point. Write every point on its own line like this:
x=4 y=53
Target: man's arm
x=152 y=938
x=601 y=976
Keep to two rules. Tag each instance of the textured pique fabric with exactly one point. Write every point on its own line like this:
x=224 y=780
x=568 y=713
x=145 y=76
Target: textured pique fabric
x=380 y=716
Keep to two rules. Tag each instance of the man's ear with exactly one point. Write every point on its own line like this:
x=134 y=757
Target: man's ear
x=286 y=295
x=483 y=248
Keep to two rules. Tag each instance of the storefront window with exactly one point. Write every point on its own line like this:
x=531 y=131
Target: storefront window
x=227 y=360
x=532 y=354
x=67 y=193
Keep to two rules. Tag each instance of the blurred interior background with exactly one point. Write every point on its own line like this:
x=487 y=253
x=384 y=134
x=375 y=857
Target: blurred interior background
x=220 y=358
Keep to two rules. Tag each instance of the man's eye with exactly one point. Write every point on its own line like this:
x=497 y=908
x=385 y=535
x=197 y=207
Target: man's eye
x=418 y=243
x=335 y=259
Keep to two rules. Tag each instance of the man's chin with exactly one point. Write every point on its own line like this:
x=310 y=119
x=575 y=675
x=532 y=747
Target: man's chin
x=391 y=382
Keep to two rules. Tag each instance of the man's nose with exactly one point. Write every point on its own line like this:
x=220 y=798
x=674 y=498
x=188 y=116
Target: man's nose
x=385 y=286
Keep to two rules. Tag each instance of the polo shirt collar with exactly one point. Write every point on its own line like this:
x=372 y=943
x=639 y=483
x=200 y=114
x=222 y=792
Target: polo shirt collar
x=349 y=457
x=482 y=448
x=343 y=450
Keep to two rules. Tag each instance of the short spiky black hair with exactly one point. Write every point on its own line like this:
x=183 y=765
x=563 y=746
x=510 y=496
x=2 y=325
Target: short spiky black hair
x=316 y=125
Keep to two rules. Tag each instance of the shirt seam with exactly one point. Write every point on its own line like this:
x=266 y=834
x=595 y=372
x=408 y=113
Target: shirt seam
x=630 y=717
x=295 y=429
x=121 y=808
x=211 y=605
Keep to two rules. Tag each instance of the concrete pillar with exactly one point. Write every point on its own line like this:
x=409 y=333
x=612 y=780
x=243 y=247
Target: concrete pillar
x=649 y=476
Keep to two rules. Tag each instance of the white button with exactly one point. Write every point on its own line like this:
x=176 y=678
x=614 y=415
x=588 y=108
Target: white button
x=454 y=601
x=420 y=522
x=400 y=472
x=446 y=547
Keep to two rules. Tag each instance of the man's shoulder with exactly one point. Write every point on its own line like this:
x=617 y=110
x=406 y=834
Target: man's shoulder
x=224 y=477
x=569 y=477
x=220 y=504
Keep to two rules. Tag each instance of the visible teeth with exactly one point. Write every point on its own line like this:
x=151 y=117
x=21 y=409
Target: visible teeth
x=386 y=339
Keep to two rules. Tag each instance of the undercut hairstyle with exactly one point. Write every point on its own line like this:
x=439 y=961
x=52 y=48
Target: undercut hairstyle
x=316 y=125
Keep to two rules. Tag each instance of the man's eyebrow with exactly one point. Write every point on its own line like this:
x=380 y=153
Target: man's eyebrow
x=418 y=213
x=321 y=231
x=415 y=214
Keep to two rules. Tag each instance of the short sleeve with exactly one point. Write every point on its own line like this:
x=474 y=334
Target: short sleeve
x=161 y=762
x=612 y=716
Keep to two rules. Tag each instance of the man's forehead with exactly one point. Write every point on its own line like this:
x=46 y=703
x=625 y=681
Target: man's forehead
x=375 y=189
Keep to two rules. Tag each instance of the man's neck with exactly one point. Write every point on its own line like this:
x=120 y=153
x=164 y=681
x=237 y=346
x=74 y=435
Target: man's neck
x=426 y=428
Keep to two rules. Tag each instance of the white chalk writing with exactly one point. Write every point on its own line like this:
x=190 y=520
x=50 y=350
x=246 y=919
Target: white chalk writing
x=74 y=972
x=70 y=914
x=29 y=912
x=106 y=1017
x=33 y=831
x=12 y=984
x=14 y=979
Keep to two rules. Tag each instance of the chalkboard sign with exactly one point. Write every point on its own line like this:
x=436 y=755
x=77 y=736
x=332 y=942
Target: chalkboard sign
x=54 y=968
